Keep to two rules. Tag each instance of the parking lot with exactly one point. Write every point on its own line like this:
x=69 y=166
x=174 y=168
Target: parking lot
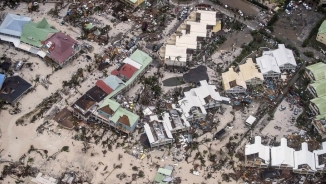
x=283 y=122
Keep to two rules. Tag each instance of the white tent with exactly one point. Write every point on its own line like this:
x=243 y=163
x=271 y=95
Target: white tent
x=250 y=120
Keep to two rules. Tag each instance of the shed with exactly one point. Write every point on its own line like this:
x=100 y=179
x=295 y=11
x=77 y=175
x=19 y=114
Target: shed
x=250 y=120
x=219 y=134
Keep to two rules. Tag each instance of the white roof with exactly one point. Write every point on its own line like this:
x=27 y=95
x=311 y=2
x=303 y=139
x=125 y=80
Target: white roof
x=186 y=40
x=166 y=119
x=15 y=41
x=132 y=63
x=320 y=152
x=251 y=120
x=206 y=90
x=197 y=28
x=304 y=156
x=282 y=154
x=173 y=51
x=41 y=53
x=149 y=133
x=282 y=55
x=267 y=63
x=196 y=97
x=207 y=17
x=167 y=131
x=257 y=147
x=147 y=111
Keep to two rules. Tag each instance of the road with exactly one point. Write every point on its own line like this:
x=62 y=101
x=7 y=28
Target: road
x=252 y=25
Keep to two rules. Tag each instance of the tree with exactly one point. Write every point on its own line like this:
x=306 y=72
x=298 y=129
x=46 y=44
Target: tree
x=65 y=149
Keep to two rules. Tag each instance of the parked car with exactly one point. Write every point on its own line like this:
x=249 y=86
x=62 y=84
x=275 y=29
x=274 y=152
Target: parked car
x=296 y=111
x=136 y=99
x=19 y=65
x=282 y=108
x=240 y=12
x=155 y=48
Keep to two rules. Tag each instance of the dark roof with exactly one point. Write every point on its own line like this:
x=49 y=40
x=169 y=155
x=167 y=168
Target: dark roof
x=13 y=88
x=96 y=94
x=64 y=118
x=85 y=102
x=219 y=134
x=124 y=120
x=196 y=74
x=62 y=47
x=5 y=65
x=104 y=65
x=270 y=174
x=107 y=110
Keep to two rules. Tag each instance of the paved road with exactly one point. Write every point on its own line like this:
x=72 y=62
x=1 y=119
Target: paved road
x=252 y=25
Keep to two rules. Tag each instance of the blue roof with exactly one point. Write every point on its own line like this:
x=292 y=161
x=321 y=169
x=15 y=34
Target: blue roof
x=2 y=80
x=113 y=82
x=13 y=24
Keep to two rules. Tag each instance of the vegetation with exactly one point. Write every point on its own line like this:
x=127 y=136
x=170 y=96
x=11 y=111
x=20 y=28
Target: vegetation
x=313 y=32
x=309 y=54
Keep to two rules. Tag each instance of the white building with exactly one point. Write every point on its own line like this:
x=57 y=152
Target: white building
x=272 y=63
x=320 y=158
x=304 y=162
x=268 y=67
x=282 y=156
x=158 y=132
x=284 y=57
x=175 y=56
x=175 y=122
x=257 y=155
x=197 y=100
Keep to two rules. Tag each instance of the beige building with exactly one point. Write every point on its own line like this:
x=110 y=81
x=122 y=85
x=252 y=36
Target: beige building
x=234 y=82
x=321 y=36
x=198 y=26
x=133 y=3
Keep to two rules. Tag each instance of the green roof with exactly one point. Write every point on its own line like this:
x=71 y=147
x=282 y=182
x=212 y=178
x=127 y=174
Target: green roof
x=139 y=57
x=320 y=87
x=111 y=103
x=166 y=172
x=33 y=33
x=321 y=117
x=318 y=70
x=133 y=1
x=320 y=103
x=89 y=26
x=159 y=178
x=120 y=112
x=322 y=28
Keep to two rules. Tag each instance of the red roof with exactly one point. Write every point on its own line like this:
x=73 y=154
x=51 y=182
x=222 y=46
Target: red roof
x=61 y=48
x=115 y=72
x=127 y=70
x=101 y=84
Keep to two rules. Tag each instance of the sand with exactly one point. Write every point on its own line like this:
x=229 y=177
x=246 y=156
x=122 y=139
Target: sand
x=16 y=140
